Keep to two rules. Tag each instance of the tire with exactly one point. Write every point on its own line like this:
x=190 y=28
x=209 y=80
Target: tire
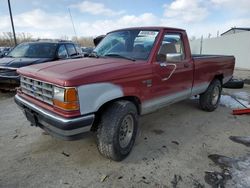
x=209 y=100
x=234 y=84
x=117 y=130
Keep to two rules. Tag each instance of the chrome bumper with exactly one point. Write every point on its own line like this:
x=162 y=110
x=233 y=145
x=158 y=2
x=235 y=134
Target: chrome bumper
x=64 y=128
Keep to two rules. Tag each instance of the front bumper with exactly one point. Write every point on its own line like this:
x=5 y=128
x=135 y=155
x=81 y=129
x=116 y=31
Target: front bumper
x=7 y=73
x=9 y=79
x=63 y=128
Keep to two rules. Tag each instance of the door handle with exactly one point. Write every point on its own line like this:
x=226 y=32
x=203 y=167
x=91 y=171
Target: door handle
x=170 y=74
x=163 y=64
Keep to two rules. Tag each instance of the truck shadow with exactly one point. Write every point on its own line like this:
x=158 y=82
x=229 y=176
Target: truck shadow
x=159 y=132
x=158 y=137
x=6 y=94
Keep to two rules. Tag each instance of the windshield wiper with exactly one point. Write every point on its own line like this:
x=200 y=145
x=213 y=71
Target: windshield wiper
x=93 y=54
x=121 y=56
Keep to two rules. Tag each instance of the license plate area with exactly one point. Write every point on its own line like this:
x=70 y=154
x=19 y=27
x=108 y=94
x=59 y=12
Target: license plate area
x=31 y=117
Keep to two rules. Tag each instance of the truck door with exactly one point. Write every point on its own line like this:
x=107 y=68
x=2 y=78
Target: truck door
x=173 y=69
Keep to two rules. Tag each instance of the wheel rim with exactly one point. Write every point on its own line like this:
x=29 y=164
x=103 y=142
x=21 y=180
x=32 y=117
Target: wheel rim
x=215 y=95
x=126 y=130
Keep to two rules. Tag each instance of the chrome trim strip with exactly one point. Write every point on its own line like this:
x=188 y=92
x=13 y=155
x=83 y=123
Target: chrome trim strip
x=51 y=115
x=9 y=76
x=8 y=68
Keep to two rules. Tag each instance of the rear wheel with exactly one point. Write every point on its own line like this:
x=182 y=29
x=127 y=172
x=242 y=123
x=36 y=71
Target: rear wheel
x=209 y=100
x=117 y=130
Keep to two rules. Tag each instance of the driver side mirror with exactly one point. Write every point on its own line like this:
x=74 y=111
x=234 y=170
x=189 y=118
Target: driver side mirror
x=169 y=57
x=174 y=57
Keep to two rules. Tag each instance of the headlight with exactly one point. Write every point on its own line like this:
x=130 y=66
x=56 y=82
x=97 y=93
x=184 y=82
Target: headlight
x=66 y=98
x=59 y=93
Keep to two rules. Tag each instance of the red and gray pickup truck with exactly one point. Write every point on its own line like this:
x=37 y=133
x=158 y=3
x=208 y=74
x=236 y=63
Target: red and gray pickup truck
x=132 y=72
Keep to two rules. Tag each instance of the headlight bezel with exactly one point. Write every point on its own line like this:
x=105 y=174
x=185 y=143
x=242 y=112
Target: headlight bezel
x=66 y=98
x=58 y=93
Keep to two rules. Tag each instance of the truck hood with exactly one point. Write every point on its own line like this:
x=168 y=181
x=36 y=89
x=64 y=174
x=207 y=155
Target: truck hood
x=20 y=62
x=77 y=71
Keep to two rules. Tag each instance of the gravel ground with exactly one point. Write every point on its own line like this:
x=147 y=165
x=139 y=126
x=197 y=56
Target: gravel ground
x=171 y=150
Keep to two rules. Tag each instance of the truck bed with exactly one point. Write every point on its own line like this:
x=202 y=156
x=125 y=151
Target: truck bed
x=195 y=56
x=223 y=66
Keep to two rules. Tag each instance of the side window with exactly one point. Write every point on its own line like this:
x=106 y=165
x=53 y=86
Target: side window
x=62 y=52
x=78 y=49
x=172 y=48
x=71 y=49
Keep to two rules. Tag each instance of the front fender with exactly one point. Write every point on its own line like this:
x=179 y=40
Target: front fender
x=93 y=96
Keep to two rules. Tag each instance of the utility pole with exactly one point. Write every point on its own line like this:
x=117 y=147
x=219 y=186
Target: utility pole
x=201 y=44
x=12 y=23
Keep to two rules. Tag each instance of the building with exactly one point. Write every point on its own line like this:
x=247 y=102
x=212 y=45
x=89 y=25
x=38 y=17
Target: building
x=237 y=44
x=234 y=30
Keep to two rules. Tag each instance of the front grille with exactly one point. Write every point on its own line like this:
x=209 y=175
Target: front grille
x=37 y=89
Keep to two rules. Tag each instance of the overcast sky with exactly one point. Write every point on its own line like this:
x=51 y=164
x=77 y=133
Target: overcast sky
x=50 y=18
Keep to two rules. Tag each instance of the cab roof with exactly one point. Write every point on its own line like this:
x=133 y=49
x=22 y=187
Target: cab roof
x=54 y=41
x=150 y=28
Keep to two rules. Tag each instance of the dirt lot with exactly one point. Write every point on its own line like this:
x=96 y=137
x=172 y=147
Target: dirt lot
x=171 y=150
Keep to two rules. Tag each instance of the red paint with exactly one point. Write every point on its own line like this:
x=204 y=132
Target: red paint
x=130 y=75
x=58 y=111
x=241 y=111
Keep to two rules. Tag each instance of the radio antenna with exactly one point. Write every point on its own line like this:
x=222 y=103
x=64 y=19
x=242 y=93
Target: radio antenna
x=73 y=25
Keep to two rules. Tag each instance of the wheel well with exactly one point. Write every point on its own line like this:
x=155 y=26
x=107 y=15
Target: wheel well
x=135 y=100
x=219 y=77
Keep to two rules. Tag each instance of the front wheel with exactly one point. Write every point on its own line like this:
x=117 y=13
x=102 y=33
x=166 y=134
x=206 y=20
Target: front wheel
x=117 y=130
x=209 y=100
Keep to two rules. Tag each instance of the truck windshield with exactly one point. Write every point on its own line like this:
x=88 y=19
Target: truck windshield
x=34 y=50
x=134 y=44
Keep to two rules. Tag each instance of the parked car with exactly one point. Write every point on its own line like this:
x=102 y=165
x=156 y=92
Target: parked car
x=135 y=71
x=86 y=51
x=30 y=53
x=4 y=51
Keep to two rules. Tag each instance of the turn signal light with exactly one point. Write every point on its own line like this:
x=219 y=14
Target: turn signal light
x=66 y=105
x=70 y=95
x=66 y=98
